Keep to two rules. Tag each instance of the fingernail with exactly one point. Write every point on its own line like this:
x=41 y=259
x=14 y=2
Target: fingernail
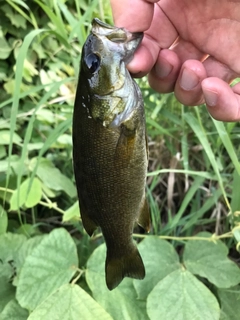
x=189 y=80
x=211 y=97
x=163 y=69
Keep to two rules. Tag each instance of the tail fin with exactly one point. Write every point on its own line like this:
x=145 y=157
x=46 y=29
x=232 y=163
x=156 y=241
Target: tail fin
x=127 y=265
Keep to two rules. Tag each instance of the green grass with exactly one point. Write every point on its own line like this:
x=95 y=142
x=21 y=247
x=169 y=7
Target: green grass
x=192 y=156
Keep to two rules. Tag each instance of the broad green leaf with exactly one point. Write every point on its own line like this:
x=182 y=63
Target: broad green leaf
x=51 y=264
x=16 y=19
x=5 y=49
x=65 y=140
x=28 y=133
x=209 y=260
x=3 y=220
x=34 y=146
x=72 y=213
x=6 y=270
x=29 y=71
x=122 y=302
x=10 y=244
x=5 y=137
x=45 y=115
x=14 y=164
x=3 y=152
x=28 y=229
x=9 y=248
x=160 y=259
x=13 y=311
x=69 y=302
x=26 y=249
x=49 y=192
x=181 y=296
x=7 y=292
x=25 y=195
x=17 y=86
x=53 y=178
x=230 y=303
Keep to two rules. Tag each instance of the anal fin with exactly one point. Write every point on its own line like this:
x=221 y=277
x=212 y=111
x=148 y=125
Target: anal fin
x=144 y=215
x=89 y=225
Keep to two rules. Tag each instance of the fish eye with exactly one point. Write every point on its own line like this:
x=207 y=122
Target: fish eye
x=92 y=62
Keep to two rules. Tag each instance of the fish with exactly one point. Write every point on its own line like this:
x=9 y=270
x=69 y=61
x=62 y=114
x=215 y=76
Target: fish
x=110 y=152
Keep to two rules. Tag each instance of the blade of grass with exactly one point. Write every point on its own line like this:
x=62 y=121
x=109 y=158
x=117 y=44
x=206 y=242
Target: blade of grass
x=197 y=128
x=193 y=217
x=29 y=130
x=30 y=19
x=56 y=132
x=57 y=22
x=155 y=214
x=18 y=80
x=184 y=143
x=160 y=129
x=202 y=174
x=235 y=205
x=198 y=182
x=28 y=93
x=172 y=117
x=224 y=136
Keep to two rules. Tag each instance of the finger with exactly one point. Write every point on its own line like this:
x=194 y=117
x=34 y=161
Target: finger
x=161 y=34
x=134 y=15
x=144 y=58
x=166 y=70
x=186 y=51
x=217 y=69
x=188 y=88
x=223 y=102
x=162 y=30
x=212 y=26
x=163 y=76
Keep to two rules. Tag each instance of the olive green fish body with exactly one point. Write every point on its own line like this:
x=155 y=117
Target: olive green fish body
x=110 y=154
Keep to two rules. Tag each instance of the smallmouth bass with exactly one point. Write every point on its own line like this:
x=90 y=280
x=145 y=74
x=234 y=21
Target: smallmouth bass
x=110 y=153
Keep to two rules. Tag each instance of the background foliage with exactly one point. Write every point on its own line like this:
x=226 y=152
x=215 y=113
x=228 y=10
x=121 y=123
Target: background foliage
x=49 y=268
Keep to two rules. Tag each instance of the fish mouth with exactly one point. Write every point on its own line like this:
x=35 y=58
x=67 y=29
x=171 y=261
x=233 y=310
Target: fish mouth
x=98 y=23
x=115 y=34
x=136 y=37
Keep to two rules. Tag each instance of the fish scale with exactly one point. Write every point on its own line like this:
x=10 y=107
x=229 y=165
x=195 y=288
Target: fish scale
x=109 y=148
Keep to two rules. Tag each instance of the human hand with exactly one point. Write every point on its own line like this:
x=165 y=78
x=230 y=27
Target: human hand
x=189 y=47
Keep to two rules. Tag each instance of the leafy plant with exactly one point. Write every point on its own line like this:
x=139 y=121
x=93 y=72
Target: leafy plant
x=41 y=267
x=49 y=268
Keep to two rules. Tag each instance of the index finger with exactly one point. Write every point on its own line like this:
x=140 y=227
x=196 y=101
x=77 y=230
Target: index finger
x=134 y=15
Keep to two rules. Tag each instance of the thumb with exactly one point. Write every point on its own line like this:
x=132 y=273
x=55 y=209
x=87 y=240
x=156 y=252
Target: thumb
x=134 y=15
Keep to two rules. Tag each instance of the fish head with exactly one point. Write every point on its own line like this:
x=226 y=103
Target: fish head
x=106 y=52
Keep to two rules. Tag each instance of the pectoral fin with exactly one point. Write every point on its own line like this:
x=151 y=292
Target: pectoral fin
x=144 y=216
x=125 y=147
